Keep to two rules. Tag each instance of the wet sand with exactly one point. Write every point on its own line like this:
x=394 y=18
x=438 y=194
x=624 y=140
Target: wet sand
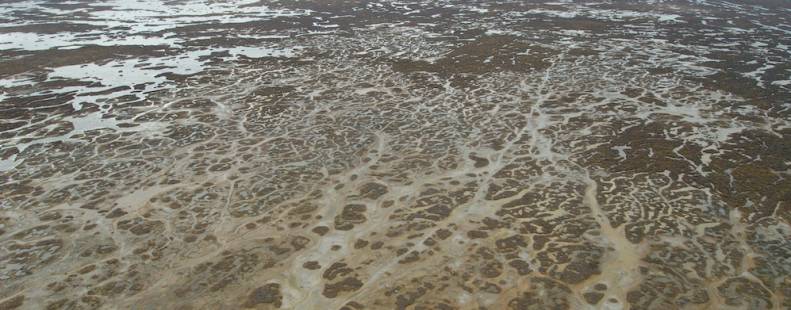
x=395 y=155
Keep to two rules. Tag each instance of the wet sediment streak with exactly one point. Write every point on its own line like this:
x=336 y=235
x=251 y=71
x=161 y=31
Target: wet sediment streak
x=379 y=155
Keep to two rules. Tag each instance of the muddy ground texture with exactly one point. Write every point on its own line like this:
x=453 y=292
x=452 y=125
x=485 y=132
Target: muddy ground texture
x=391 y=155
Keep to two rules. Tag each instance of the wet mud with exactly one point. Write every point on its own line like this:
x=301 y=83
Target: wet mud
x=395 y=155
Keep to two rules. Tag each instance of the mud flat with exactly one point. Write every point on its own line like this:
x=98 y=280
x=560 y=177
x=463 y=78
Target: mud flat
x=395 y=155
